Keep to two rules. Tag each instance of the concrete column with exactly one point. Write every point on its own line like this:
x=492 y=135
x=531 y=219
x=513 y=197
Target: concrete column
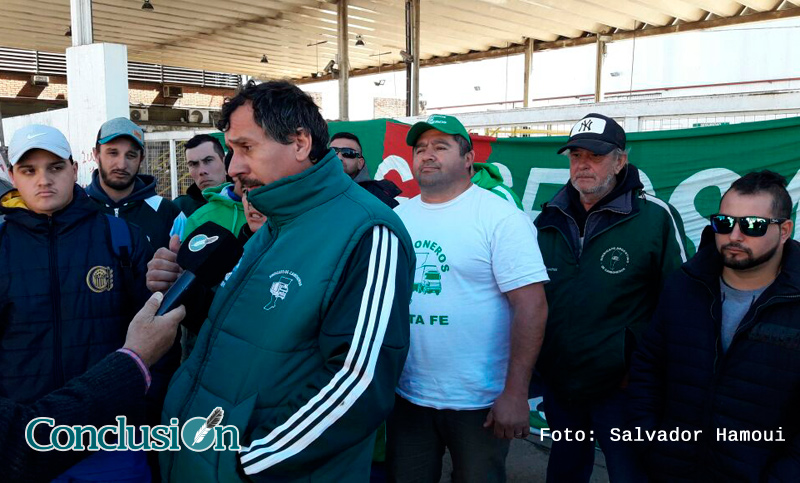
x=344 y=61
x=598 y=69
x=527 y=76
x=415 y=53
x=81 y=22
x=97 y=90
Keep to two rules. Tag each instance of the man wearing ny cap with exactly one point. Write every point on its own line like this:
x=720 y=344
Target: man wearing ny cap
x=66 y=295
x=120 y=190
x=477 y=319
x=608 y=247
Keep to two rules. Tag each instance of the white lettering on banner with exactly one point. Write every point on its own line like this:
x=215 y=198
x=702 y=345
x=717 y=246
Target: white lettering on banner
x=537 y=177
x=648 y=185
x=682 y=198
x=398 y=164
x=794 y=191
x=505 y=173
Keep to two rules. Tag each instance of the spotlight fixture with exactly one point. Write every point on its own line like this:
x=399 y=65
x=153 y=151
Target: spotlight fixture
x=379 y=83
x=314 y=75
x=359 y=41
x=328 y=69
x=147 y=5
x=264 y=59
x=68 y=33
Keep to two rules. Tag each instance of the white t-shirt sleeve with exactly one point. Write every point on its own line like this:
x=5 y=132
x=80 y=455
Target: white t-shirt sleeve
x=516 y=259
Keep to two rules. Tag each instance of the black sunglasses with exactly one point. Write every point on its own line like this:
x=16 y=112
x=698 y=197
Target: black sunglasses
x=748 y=225
x=348 y=153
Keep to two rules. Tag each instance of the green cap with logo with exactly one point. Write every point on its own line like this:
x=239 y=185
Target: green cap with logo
x=440 y=122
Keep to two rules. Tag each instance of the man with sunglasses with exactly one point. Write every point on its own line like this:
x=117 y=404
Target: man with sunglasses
x=721 y=360
x=348 y=148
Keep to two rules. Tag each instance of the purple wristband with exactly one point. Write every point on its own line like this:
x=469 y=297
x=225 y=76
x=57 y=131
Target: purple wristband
x=142 y=367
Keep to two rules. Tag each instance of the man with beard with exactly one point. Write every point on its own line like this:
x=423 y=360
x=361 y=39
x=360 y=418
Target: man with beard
x=722 y=357
x=608 y=248
x=119 y=189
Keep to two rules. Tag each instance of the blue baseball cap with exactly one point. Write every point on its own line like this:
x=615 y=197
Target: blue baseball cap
x=38 y=136
x=120 y=126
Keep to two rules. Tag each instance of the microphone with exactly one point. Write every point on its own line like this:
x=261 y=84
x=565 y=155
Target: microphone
x=208 y=254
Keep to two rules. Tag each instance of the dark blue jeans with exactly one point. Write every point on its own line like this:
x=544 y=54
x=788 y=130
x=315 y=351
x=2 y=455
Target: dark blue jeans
x=416 y=438
x=573 y=461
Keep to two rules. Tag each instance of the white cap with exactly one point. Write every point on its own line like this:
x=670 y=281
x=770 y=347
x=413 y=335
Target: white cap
x=38 y=136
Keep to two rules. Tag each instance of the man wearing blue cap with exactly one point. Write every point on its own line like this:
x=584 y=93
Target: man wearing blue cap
x=608 y=247
x=68 y=284
x=120 y=190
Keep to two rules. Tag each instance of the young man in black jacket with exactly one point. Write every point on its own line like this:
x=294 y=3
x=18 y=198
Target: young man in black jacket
x=715 y=384
x=120 y=190
x=205 y=160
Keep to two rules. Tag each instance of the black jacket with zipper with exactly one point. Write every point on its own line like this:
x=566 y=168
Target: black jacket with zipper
x=62 y=293
x=143 y=208
x=191 y=201
x=606 y=269
x=681 y=378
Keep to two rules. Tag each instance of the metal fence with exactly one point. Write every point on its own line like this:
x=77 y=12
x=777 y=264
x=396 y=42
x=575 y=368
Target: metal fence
x=165 y=159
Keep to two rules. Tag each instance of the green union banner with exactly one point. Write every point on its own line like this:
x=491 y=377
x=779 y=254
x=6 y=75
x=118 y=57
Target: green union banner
x=689 y=168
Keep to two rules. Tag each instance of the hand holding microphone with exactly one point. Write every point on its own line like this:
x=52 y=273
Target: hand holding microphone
x=209 y=253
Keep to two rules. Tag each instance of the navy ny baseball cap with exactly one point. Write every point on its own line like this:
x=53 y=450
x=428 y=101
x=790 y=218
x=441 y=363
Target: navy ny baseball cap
x=596 y=133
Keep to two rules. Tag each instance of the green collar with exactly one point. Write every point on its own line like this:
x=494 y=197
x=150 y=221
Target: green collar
x=292 y=196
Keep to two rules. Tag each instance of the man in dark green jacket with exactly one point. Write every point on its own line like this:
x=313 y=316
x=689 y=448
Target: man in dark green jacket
x=307 y=337
x=608 y=247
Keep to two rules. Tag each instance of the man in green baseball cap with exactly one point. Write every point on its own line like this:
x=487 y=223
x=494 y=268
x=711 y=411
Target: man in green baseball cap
x=440 y=122
x=485 y=175
x=477 y=292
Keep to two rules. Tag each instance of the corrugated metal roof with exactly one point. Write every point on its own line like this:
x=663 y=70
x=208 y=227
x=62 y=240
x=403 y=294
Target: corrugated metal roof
x=232 y=36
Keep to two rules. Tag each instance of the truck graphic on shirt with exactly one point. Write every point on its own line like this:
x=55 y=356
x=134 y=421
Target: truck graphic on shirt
x=427 y=278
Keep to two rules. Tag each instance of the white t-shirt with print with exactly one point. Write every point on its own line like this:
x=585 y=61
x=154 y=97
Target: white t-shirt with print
x=470 y=251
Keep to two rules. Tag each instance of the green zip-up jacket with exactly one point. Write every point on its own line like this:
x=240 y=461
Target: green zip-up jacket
x=488 y=177
x=603 y=291
x=220 y=209
x=306 y=339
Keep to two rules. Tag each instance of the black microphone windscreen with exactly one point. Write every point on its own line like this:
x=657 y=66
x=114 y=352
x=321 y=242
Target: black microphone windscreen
x=210 y=252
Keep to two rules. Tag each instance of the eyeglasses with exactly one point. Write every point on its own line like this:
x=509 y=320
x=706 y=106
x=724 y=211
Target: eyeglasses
x=348 y=153
x=748 y=225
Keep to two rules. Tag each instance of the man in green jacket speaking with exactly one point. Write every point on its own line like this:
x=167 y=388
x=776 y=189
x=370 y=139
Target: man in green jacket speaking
x=307 y=337
x=608 y=247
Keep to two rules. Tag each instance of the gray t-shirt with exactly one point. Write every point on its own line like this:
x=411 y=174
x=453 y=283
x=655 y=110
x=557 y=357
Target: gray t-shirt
x=735 y=304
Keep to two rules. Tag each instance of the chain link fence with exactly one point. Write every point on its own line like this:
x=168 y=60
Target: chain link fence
x=158 y=161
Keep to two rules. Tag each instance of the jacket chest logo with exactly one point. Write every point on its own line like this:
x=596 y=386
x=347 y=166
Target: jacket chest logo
x=100 y=279
x=614 y=260
x=282 y=282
